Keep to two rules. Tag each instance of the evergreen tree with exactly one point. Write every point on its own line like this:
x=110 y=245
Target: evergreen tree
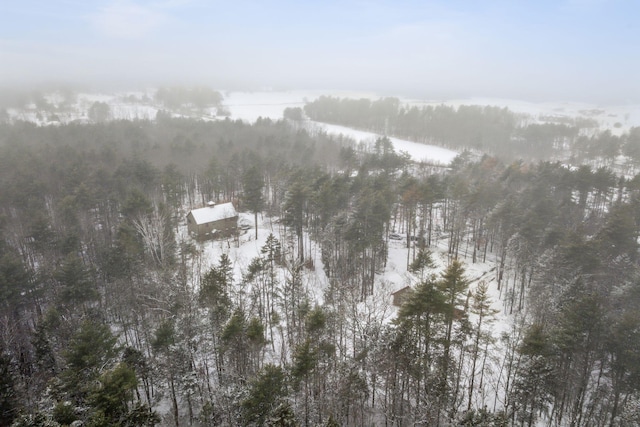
x=295 y=213
x=423 y=261
x=265 y=395
x=76 y=285
x=253 y=183
x=90 y=352
x=534 y=375
x=282 y=416
x=420 y=333
x=623 y=346
x=16 y=284
x=8 y=393
x=171 y=360
x=481 y=307
x=453 y=286
x=110 y=399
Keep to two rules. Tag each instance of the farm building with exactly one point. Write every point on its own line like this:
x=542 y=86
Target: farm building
x=213 y=221
x=400 y=296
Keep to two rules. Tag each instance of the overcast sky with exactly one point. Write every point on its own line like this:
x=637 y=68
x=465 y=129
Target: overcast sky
x=563 y=50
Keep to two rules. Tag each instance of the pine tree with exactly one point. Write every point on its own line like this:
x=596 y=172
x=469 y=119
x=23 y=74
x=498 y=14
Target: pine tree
x=234 y=343
x=305 y=359
x=114 y=392
x=90 y=351
x=422 y=262
x=453 y=286
x=282 y=416
x=530 y=393
x=253 y=183
x=15 y=282
x=170 y=359
x=624 y=348
x=214 y=294
x=481 y=307
x=265 y=394
x=8 y=393
x=294 y=208
x=271 y=257
x=418 y=336
x=76 y=285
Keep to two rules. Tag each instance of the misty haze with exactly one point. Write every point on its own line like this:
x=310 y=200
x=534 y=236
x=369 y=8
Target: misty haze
x=573 y=50
x=360 y=213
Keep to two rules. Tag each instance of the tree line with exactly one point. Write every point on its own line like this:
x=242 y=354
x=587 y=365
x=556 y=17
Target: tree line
x=488 y=129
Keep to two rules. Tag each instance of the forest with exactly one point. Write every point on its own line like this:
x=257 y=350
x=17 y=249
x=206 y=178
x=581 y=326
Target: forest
x=113 y=316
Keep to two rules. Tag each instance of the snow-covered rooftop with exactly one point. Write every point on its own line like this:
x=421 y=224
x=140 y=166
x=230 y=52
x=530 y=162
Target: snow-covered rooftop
x=214 y=213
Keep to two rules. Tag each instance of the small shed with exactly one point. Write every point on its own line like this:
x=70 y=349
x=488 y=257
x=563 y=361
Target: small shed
x=213 y=221
x=400 y=296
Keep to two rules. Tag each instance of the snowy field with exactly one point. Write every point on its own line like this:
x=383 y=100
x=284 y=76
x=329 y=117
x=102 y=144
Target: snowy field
x=249 y=106
x=418 y=152
x=617 y=118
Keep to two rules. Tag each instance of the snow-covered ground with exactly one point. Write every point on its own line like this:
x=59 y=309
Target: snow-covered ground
x=249 y=106
x=247 y=247
x=418 y=152
x=617 y=118
x=376 y=309
x=394 y=277
x=122 y=106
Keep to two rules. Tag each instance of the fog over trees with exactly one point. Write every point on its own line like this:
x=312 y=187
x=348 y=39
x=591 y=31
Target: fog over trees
x=513 y=270
x=564 y=50
x=294 y=213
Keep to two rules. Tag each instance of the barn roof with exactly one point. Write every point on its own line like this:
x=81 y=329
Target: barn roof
x=402 y=290
x=214 y=213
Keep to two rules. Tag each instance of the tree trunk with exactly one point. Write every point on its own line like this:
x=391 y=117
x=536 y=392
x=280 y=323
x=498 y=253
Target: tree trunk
x=174 y=401
x=255 y=220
